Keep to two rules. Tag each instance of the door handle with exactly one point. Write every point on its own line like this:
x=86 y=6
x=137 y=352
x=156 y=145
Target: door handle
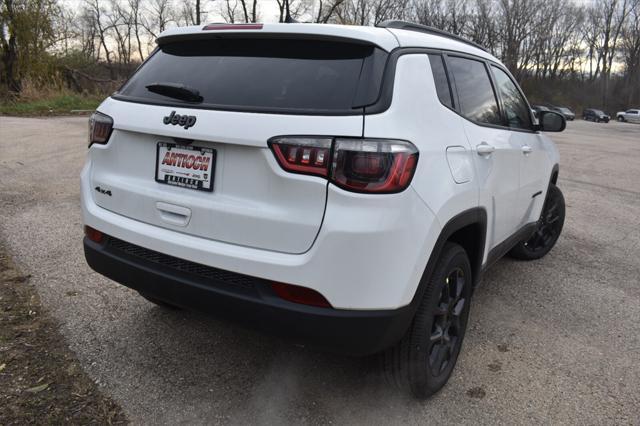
x=484 y=149
x=526 y=149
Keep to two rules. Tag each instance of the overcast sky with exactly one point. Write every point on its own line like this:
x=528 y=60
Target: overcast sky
x=268 y=8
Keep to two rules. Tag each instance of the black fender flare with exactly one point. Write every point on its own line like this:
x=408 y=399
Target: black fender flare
x=554 y=174
x=474 y=216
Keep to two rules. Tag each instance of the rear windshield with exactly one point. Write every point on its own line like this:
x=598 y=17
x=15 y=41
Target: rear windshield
x=264 y=75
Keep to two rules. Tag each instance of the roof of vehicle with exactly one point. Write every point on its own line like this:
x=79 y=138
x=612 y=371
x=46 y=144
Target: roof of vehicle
x=385 y=38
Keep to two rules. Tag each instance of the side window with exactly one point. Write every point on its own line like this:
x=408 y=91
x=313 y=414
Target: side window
x=477 y=100
x=515 y=107
x=441 y=80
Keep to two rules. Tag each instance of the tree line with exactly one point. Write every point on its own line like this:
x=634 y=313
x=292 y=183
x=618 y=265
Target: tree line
x=579 y=54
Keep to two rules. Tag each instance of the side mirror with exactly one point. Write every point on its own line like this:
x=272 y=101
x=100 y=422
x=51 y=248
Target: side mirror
x=551 y=121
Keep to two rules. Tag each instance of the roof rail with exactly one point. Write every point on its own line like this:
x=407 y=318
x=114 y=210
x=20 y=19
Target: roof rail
x=404 y=25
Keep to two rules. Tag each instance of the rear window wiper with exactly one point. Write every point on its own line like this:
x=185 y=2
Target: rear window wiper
x=176 y=91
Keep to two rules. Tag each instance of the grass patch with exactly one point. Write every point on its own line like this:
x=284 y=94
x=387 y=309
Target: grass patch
x=59 y=104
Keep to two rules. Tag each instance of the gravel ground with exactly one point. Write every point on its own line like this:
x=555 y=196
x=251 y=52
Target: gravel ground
x=555 y=340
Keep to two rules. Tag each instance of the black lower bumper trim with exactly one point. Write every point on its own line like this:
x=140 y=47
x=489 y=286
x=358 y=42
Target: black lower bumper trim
x=246 y=300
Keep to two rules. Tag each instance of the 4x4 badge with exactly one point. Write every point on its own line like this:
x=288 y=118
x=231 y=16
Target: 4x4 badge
x=185 y=121
x=103 y=191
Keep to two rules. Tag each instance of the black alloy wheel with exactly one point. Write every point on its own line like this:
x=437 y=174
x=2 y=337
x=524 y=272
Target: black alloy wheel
x=548 y=228
x=423 y=360
x=446 y=329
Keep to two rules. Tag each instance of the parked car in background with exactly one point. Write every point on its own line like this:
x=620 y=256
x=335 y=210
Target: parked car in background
x=592 y=114
x=630 y=115
x=568 y=114
x=537 y=109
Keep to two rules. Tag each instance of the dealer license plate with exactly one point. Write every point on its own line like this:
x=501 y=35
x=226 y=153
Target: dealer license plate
x=185 y=166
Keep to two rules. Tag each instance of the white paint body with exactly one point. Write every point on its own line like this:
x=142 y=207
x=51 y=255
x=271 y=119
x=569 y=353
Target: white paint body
x=360 y=251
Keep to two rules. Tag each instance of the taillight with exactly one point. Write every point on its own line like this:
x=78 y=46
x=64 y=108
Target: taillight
x=371 y=165
x=303 y=155
x=298 y=294
x=100 y=127
x=359 y=165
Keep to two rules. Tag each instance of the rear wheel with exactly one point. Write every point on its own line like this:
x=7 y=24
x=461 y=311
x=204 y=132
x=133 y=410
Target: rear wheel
x=548 y=228
x=160 y=303
x=424 y=359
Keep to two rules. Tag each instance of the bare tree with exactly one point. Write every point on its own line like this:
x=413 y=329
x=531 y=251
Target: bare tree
x=96 y=9
x=605 y=23
x=134 y=6
x=229 y=10
x=631 y=53
x=249 y=10
x=326 y=10
x=158 y=15
x=297 y=8
x=120 y=21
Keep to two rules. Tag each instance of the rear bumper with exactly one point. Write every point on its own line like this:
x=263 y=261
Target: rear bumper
x=246 y=300
x=369 y=254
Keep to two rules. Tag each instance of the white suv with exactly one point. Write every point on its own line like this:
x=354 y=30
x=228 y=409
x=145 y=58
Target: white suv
x=342 y=186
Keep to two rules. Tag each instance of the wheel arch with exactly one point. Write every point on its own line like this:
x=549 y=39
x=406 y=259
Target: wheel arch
x=554 y=174
x=468 y=229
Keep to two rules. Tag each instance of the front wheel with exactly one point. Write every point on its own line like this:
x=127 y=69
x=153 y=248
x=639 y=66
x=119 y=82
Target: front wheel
x=548 y=228
x=621 y=119
x=424 y=359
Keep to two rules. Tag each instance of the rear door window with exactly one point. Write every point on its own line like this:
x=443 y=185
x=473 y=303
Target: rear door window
x=475 y=92
x=263 y=74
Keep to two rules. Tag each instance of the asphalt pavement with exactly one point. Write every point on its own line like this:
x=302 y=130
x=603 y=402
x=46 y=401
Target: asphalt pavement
x=551 y=341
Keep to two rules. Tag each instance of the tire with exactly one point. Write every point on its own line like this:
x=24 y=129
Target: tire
x=621 y=119
x=160 y=303
x=548 y=230
x=424 y=359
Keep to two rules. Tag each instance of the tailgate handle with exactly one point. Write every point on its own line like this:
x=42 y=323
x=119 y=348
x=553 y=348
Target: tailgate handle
x=175 y=215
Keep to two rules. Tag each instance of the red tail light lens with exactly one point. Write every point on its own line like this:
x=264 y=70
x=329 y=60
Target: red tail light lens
x=100 y=127
x=303 y=155
x=374 y=166
x=298 y=294
x=359 y=165
x=93 y=234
